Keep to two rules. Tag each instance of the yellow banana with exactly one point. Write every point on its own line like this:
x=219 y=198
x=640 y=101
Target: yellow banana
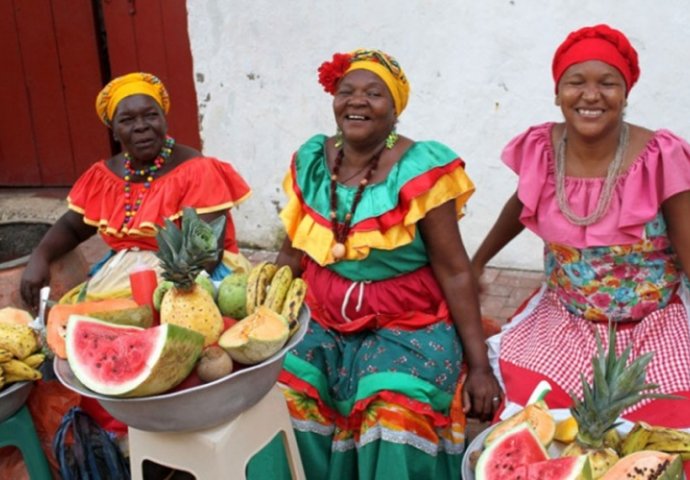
x=18 y=371
x=668 y=440
x=636 y=440
x=265 y=277
x=19 y=340
x=34 y=360
x=278 y=289
x=258 y=281
x=293 y=302
x=252 y=279
x=5 y=355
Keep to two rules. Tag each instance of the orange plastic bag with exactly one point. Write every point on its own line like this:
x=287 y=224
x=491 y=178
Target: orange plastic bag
x=48 y=402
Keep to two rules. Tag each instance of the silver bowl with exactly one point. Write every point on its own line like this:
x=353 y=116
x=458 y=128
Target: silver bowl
x=13 y=397
x=195 y=408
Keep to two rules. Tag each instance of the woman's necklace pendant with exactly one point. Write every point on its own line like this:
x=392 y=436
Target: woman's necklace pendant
x=338 y=251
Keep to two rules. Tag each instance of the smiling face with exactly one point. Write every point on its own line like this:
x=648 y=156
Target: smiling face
x=363 y=108
x=140 y=126
x=592 y=98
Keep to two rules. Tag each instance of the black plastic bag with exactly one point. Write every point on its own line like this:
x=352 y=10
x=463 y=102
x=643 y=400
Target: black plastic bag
x=90 y=453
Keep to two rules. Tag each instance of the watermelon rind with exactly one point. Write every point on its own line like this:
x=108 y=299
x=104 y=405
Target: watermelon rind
x=521 y=436
x=173 y=354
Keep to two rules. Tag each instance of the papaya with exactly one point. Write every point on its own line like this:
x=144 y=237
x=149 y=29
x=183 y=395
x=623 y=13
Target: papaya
x=141 y=316
x=58 y=315
x=647 y=464
x=15 y=316
x=256 y=337
x=536 y=415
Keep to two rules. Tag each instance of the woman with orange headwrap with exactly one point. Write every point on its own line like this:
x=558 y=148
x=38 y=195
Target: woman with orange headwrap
x=371 y=221
x=126 y=197
x=610 y=200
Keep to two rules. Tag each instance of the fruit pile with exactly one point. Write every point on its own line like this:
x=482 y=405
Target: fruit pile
x=20 y=348
x=587 y=444
x=113 y=349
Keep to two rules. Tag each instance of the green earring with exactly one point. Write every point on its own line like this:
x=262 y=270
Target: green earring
x=391 y=139
x=338 y=138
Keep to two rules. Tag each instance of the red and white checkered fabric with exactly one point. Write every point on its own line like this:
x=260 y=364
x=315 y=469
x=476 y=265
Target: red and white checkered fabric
x=547 y=339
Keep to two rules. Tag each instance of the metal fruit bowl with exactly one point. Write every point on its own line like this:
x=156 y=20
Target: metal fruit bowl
x=196 y=408
x=13 y=397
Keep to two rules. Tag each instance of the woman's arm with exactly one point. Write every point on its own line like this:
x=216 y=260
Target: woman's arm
x=676 y=211
x=62 y=237
x=289 y=255
x=453 y=271
x=506 y=228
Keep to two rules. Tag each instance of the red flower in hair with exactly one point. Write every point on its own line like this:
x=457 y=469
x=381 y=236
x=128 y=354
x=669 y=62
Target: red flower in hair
x=331 y=72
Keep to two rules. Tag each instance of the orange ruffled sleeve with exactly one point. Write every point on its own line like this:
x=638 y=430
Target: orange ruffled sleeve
x=203 y=183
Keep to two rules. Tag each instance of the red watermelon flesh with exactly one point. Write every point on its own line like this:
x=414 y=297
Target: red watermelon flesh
x=563 y=468
x=128 y=361
x=507 y=456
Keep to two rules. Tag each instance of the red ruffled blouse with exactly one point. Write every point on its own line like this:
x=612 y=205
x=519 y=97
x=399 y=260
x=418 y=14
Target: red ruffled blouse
x=203 y=183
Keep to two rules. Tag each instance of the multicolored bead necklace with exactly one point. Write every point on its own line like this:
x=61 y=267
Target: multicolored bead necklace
x=132 y=207
x=340 y=230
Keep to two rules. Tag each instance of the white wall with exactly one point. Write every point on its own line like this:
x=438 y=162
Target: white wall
x=480 y=73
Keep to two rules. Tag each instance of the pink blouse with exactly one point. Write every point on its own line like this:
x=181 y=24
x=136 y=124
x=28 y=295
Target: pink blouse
x=660 y=171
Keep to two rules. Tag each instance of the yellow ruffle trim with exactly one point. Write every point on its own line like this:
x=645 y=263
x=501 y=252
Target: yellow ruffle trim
x=317 y=240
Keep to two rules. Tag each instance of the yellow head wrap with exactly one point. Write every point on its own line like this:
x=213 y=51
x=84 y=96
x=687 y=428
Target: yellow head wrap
x=119 y=88
x=376 y=61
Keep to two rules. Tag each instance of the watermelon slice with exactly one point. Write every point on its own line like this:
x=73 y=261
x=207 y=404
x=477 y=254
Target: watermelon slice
x=506 y=457
x=126 y=361
x=563 y=468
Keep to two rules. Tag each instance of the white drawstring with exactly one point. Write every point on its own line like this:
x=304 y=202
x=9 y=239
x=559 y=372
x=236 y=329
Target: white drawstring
x=346 y=300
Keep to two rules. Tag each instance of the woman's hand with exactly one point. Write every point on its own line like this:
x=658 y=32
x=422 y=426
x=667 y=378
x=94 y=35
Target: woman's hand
x=481 y=394
x=35 y=276
x=65 y=234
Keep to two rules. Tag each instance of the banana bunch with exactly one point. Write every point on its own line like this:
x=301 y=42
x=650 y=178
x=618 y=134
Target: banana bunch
x=276 y=289
x=646 y=437
x=20 y=354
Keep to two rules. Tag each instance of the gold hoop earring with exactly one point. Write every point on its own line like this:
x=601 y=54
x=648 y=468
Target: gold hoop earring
x=338 y=138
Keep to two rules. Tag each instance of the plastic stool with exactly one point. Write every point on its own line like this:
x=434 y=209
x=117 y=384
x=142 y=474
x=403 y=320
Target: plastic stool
x=223 y=451
x=19 y=431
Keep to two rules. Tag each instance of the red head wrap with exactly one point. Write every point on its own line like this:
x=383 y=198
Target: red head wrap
x=599 y=42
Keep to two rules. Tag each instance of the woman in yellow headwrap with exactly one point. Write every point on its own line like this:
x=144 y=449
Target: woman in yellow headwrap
x=126 y=197
x=371 y=220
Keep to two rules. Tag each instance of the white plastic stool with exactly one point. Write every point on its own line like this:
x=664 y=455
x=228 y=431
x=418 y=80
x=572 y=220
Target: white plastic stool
x=220 y=452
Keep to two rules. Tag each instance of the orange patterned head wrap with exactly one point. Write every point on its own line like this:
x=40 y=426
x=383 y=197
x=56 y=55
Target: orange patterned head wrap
x=376 y=61
x=119 y=88
x=599 y=42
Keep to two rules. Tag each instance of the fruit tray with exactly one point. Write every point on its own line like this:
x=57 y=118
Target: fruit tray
x=554 y=449
x=196 y=408
x=13 y=397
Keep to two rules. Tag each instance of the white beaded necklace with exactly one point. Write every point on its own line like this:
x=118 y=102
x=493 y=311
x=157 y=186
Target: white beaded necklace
x=609 y=182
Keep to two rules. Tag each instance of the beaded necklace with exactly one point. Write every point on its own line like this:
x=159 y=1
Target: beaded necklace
x=132 y=207
x=607 y=190
x=340 y=230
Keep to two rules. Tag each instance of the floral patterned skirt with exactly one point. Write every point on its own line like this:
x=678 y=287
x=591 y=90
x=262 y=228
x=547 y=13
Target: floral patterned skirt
x=379 y=402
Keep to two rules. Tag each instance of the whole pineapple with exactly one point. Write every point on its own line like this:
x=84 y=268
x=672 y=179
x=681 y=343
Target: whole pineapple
x=183 y=254
x=614 y=388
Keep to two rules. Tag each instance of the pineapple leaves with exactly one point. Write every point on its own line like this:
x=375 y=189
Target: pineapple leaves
x=616 y=386
x=185 y=251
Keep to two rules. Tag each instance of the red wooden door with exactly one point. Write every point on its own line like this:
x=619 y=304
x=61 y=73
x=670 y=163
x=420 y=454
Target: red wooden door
x=51 y=74
x=151 y=36
x=57 y=54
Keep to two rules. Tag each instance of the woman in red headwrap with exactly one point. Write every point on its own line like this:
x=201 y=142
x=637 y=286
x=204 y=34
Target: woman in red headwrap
x=610 y=200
